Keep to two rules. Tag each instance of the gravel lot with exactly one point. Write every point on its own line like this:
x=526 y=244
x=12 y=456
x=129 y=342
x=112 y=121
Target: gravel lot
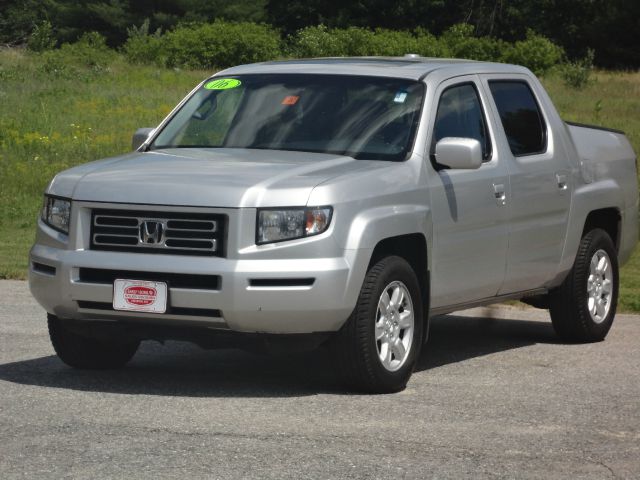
x=495 y=396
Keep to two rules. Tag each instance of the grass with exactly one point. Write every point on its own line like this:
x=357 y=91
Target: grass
x=54 y=115
x=611 y=99
x=56 y=112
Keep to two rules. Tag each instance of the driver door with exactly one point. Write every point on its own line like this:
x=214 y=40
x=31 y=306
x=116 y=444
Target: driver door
x=469 y=207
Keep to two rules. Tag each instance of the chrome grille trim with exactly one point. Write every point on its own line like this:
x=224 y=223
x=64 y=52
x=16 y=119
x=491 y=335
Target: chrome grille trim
x=166 y=232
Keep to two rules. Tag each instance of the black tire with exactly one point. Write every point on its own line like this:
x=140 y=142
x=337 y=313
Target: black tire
x=568 y=304
x=88 y=353
x=355 y=349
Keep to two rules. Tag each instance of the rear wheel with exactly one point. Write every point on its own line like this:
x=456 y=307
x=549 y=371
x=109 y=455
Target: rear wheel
x=583 y=307
x=83 y=352
x=378 y=347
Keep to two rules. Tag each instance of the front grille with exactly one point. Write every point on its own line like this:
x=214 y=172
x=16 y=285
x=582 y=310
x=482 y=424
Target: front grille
x=174 y=280
x=158 y=232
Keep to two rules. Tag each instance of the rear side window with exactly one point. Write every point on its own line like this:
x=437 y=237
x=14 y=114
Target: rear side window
x=521 y=117
x=460 y=115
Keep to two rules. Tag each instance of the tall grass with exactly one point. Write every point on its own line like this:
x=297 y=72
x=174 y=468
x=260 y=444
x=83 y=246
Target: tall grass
x=57 y=112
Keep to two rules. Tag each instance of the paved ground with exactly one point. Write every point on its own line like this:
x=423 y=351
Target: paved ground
x=494 y=397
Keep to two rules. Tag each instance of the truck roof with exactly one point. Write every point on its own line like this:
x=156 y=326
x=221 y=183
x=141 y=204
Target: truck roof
x=409 y=67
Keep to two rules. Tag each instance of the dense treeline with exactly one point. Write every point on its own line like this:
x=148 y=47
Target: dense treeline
x=610 y=27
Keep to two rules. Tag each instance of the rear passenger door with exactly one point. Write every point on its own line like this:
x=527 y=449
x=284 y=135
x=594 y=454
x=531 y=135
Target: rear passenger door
x=468 y=211
x=539 y=176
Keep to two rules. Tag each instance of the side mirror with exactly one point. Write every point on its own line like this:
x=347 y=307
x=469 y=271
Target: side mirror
x=459 y=153
x=140 y=137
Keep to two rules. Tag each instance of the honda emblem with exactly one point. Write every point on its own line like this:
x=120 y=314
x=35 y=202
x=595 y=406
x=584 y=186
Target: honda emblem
x=151 y=232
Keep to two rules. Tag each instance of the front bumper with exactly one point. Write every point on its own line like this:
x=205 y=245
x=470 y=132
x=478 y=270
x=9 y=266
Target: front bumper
x=255 y=292
x=236 y=304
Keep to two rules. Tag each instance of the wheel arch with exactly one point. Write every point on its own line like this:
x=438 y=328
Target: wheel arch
x=594 y=205
x=412 y=248
x=394 y=229
x=608 y=219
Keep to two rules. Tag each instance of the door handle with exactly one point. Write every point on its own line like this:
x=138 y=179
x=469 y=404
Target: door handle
x=562 y=181
x=498 y=192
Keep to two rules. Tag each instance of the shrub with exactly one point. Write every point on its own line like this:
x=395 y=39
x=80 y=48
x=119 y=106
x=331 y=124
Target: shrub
x=536 y=52
x=319 y=41
x=314 y=41
x=428 y=45
x=220 y=44
x=41 y=38
x=223 y=44
x=576 y=74
x=355 y=41
x=143 y=47
x=461 y=43
x=89 y=52
x=393 y=43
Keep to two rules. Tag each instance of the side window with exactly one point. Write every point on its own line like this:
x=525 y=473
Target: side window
x=460 y=114
x=521 y=117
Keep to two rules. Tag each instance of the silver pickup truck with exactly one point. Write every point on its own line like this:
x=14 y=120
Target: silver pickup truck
x=338 y=202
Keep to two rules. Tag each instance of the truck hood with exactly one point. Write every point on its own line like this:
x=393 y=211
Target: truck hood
x=205 y=177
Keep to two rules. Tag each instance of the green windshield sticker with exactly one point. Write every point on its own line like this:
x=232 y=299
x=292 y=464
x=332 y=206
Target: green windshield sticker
x=222 y=84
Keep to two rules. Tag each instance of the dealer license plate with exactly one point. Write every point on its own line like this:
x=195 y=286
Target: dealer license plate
x=140 y=296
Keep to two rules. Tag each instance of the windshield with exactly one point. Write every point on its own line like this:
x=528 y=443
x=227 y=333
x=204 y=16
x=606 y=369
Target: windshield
x=362 y=117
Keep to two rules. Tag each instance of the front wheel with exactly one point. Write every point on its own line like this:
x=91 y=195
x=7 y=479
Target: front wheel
x=583 y=307
x=378 y=347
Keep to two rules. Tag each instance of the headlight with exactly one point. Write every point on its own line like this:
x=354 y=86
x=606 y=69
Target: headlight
x=279 y=225
x=56 y=213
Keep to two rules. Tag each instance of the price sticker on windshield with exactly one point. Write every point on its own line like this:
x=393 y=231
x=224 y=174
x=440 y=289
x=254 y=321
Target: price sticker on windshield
x=400 y=97
x=222 y=84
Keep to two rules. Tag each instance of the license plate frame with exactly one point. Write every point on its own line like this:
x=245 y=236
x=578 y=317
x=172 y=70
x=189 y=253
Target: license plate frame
x=142 y=296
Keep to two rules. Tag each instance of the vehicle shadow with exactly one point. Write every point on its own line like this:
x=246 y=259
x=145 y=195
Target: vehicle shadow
x=455 y=338
x=182 y=369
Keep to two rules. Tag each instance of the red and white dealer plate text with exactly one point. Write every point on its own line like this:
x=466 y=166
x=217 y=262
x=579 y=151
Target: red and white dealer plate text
x=140 y=296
